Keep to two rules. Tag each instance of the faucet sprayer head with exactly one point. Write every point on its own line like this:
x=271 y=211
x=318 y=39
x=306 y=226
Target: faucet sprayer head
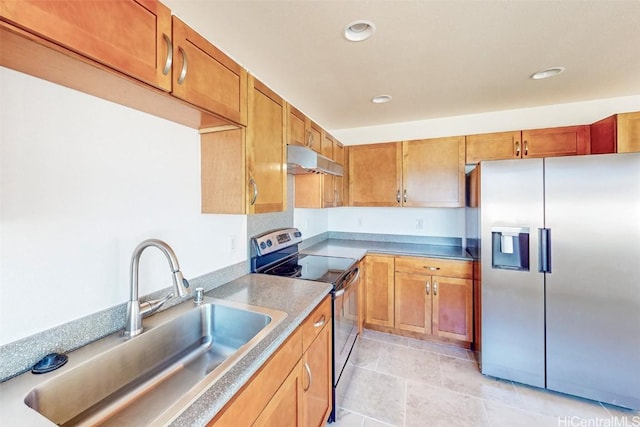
x=181 y=284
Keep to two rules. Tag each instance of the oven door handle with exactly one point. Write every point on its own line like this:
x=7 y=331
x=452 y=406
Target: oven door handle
x=354 y=279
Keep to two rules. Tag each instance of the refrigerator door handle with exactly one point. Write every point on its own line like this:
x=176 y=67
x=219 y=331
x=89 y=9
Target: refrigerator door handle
x=544 y=250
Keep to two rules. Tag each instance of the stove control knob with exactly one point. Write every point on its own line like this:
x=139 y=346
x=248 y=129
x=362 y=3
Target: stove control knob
x=269 y=243
x=263 y=245
x=297 y=234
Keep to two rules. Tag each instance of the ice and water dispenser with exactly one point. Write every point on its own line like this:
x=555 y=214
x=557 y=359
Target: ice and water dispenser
x=510 y=248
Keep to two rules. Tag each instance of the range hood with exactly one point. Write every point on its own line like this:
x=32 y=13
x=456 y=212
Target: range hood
x=302 y=160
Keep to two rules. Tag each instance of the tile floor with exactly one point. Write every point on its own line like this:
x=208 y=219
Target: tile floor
x=398 y=381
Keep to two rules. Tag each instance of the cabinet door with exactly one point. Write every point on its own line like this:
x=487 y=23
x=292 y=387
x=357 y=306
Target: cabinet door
x=338 y=152
x=309 y=191
x=314 y=135
x=326 y=147
x=317 y=386
x=604 y=135
x=554 y=142
x=628 y=132
x=413 y=302
x=329 y=191
x=296 y=124
x=379 y=290
x=452 y=310
x=132 y=37
x=266 y=151
x=375 y=174
x=493 y=146
x=338 y=188
x=285 y=407
x=206 y=77
x=433 y=172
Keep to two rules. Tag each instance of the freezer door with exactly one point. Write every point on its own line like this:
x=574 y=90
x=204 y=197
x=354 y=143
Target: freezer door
x=512 y=300
x=593 y=291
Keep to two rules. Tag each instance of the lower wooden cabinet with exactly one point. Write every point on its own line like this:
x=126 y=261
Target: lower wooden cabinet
x=424 y=297
x=294 y=387
x=379 y=290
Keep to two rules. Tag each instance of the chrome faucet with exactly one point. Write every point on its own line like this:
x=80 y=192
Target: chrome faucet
x=135 y=310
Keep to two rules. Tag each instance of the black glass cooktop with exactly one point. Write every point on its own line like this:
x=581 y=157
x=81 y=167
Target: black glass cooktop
x=312 y=267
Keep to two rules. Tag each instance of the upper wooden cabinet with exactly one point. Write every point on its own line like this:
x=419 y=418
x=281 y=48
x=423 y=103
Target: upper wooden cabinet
x=133 y=37
x=493 y=146
x=433 y=172
x=421 y=173
x=619 y=133
x=244 y=171
x=206 y=77
x=550 y=142
x=129 y=52
x=375 y=174
x=302 y=131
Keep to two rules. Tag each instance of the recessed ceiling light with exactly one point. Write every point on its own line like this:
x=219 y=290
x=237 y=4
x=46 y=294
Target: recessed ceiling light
x=359 y=30
x=546 y=73
x=381 y=99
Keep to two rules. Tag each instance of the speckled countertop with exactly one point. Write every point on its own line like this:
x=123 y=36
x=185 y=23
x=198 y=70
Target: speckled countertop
x=297 y=298
x=359 y=248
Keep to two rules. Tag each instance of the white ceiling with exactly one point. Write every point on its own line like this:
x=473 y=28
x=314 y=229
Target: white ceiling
x=436 y=58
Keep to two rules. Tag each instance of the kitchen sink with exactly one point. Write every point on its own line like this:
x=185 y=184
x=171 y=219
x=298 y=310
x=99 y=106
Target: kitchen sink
x=149 y=378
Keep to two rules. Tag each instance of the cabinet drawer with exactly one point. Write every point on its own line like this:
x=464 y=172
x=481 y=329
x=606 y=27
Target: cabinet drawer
x=312 y=326
x=434 y=266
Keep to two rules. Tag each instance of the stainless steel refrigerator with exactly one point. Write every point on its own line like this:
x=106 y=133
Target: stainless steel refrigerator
x=560 y=251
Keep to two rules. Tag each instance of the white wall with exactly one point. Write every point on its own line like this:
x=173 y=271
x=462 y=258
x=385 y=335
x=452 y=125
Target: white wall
x=311 y=222
x=82 y=182
x=440 y=222
x=525 y=118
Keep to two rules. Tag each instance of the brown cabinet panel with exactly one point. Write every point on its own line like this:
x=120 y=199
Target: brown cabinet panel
x=128 y=36
x=244 y=171
x=493 y=146
x=435 y=266
x=452 y=307
x=554 y=142
x=317 y=320
x=246 y=406
x=412 y=302
x=604 y=136
x=317 y=386
x=285 y=407
x=433 y=172
x=314 y=135
x=379 y=290
x=375 y=172
x=296 y=133
x=206 y=77
x=628 y=136
x=266 y=150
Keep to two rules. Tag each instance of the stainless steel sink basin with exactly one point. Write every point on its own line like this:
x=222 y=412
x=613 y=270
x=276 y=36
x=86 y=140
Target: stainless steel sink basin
x=149 y=378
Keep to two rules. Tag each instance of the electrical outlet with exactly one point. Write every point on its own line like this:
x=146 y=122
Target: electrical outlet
x=233 y=243
x=359 y=221
x=419 y=224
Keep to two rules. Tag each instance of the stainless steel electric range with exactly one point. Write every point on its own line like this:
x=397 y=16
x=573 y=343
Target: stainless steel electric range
x=276 y=252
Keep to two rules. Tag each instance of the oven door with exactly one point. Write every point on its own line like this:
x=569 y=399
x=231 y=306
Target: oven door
x=345 y=321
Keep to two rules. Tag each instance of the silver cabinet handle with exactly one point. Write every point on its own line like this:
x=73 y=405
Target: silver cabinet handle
x=169 y=61
x=320 y=322
x=526 y=148
x=431 y=268
x=427 y=287
x=435 y=288
x=517 y=145
x=398 y=196
x=404 y=196
x=183 y=73
x=255 y=190
x=306 y=366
